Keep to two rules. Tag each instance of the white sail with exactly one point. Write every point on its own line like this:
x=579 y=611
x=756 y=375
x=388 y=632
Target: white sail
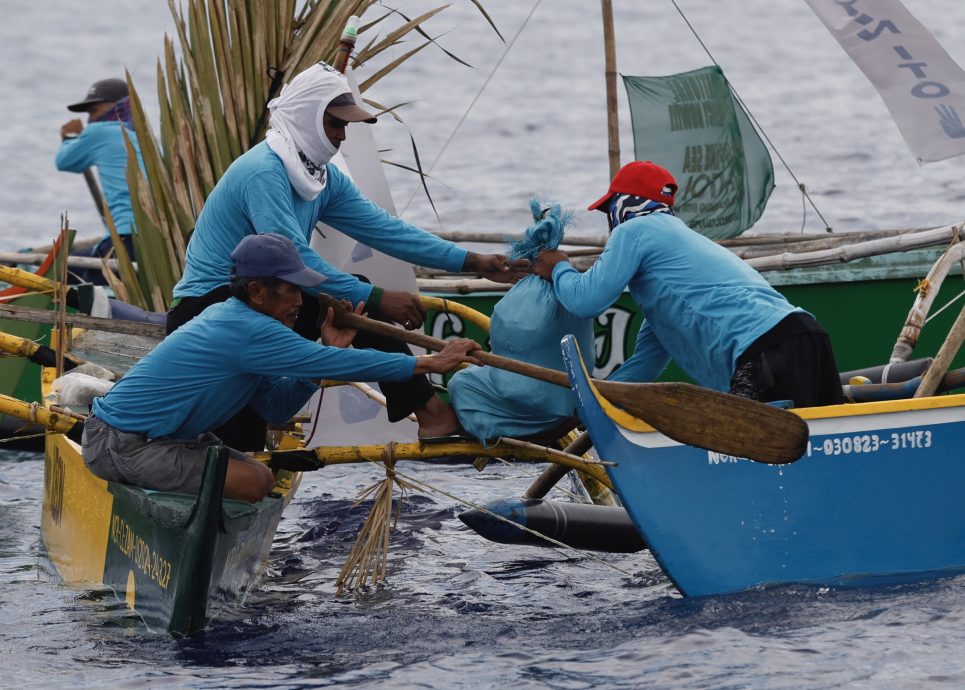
x=346 y=415
x=923 y=88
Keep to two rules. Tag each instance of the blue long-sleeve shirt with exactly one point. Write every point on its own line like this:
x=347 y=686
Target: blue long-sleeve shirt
x=703 y=305
x=229 y=356
x=101 y=144
x=255 y=196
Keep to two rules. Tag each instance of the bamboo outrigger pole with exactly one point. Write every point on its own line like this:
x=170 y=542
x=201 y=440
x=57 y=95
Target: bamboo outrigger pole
x=610 y=70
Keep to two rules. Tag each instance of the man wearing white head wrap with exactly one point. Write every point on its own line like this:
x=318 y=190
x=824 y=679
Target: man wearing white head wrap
x=286 y=185
x=298 y=125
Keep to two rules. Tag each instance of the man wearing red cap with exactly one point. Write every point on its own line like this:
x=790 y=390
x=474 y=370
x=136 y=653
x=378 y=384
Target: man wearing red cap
x=714 y=315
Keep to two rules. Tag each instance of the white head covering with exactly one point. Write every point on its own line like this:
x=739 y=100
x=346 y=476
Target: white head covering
x=297 y=133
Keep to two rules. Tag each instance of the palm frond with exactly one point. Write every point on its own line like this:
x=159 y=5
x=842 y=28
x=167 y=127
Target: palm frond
x=213 y=100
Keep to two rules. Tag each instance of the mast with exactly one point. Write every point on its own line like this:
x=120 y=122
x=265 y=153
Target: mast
x=610 y=71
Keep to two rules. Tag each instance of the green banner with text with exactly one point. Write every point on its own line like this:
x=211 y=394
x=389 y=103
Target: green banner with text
x=692 y=124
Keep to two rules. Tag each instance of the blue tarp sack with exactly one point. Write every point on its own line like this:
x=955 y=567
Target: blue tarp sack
x=527 y=324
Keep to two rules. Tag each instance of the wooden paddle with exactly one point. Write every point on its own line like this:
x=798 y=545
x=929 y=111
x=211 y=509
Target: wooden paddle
x=686 y=413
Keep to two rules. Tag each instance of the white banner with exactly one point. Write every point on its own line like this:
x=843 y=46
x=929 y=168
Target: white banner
x=346 y=415
x=923 y=88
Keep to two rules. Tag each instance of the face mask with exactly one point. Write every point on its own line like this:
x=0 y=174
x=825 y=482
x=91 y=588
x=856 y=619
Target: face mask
x=623 y=207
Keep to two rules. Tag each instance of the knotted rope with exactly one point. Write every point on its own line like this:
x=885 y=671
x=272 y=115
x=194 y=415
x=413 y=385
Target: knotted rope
x=366 y=564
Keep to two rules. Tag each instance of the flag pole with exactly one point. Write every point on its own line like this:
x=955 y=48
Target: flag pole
x=610 y=71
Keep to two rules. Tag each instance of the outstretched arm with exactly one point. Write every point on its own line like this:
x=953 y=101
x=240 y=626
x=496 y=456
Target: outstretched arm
x=495 y=267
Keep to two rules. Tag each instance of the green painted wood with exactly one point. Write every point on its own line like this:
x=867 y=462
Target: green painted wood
x=19 y=377
x=863 y=305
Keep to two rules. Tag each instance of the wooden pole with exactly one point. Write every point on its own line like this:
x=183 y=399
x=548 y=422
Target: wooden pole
x=947 y=352
x=93 y=323
x=95 y=192
x=60 y=296
x=610 y=71
x=554 y=473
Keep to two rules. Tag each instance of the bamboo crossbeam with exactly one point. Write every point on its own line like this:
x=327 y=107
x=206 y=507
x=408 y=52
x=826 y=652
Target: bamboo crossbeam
x=792 y=237
x=899 y=243
x=339 y=455
x=460 y=286
x=811 y=242
x=33 y=259
x=26 y=279
x=80 y=321
x=928 y=291
x=60 y=421
x=501 y=238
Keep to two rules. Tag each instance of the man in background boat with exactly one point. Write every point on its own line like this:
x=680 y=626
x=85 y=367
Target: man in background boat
x=101 y=145
x=153 y=427
x=705 y=308
x=287 y=184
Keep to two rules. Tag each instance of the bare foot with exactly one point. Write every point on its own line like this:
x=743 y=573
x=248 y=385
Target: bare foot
x=436 y=418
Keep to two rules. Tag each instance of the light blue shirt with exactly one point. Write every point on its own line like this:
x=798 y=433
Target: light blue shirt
x=228 y=356
x=703 y=305
x=101 y=144
x=255 y=196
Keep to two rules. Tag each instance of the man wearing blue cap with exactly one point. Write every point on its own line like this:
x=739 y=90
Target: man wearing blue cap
x=101 y=145
x=153 y=427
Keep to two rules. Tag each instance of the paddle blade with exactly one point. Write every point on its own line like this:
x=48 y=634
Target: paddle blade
x=712 y=420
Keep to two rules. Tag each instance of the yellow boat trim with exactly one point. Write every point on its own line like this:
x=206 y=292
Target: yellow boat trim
x=26 y=279
x=619 y=417
x=76 y=517
x=338 y=455
x=15 y=345
x=628 y=421
x=456 y=309
x=36 y=414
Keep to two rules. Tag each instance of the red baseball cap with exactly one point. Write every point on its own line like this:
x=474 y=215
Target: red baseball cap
x=640 y=178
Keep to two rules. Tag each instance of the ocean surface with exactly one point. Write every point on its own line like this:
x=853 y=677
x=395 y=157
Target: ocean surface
x=457 y=611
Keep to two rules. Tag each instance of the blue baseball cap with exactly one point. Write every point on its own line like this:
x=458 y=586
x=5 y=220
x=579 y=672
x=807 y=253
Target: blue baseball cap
x=270 y=255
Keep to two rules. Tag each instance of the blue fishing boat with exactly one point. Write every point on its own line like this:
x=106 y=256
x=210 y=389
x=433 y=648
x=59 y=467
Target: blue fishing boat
x=875 y=499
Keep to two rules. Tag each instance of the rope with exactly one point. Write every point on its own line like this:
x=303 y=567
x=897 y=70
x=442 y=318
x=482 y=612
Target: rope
x=413 y=483
x=473 y=103
x=950 y=303
x=13 y=439
x=366 y=564
x=429 y=487
x=955 y=239
x=760 y=129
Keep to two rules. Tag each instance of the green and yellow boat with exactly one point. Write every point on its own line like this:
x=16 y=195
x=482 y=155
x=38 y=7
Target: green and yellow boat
x=171 y=557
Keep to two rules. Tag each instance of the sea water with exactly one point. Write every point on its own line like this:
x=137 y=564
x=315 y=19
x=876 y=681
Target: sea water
x=458 y=611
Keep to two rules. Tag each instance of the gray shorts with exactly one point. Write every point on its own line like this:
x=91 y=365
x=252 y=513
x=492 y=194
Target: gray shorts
x=159 y=464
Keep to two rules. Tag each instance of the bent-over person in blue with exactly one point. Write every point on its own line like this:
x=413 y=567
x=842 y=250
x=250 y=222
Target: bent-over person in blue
x=705 y=308
x=286 y=185
x=101 y=145
x=153 y=427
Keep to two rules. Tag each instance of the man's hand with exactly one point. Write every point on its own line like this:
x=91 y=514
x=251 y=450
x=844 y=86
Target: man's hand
x=455 y=352
x=496 y=267
x=404 y=308
x=336 y=336
x=71 y=129
x=546 y=261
